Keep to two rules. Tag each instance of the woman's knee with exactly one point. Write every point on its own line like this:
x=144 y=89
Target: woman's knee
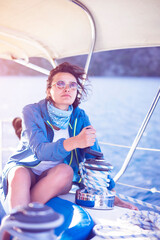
x=19 y=174
x=66 y=170
x=62 y=171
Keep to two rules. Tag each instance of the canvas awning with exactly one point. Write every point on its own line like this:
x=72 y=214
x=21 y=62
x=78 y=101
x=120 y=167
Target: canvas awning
x=55 y=29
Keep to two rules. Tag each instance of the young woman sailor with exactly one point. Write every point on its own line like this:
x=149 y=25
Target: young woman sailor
x=55 y=133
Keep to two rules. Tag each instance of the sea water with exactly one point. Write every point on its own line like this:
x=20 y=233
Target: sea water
x=116 y=108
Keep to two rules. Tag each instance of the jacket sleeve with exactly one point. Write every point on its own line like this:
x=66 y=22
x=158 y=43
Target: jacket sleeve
x=35 y=134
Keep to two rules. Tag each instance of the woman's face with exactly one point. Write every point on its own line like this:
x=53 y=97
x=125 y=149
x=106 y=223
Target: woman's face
x=63 y=91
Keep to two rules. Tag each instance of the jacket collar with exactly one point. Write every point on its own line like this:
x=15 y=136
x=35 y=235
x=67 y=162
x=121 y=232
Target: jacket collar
x=43 y=109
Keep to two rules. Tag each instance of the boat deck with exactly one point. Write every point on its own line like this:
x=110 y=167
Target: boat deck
x=116 y=228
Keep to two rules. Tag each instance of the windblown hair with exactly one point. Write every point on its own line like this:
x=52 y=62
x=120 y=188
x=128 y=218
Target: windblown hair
x=17 y=124
x=77 y=72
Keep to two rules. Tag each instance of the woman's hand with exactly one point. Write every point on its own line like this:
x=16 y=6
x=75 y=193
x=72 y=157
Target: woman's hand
x=86 y=137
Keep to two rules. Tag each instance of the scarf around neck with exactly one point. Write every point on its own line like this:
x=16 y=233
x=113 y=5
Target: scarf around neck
x=60 y=118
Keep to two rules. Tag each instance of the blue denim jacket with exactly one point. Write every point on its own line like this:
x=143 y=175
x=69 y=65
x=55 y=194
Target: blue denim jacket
x=37 y=141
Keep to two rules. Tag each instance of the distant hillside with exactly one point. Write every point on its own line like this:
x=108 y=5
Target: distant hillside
x=127 y=62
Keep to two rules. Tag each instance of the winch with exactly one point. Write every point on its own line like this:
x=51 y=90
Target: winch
x=95 y=177
x=35 y=221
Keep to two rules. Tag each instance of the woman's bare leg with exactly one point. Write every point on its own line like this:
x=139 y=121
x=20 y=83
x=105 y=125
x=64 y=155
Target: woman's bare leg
x=20 y=180
x=57 y=181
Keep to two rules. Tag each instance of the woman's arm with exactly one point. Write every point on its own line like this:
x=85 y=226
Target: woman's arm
x=35 y=134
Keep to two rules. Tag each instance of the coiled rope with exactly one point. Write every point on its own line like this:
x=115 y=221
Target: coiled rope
x=95 y=178
x=137 y=224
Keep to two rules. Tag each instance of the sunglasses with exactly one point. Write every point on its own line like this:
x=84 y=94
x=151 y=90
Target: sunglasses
x=62 y=85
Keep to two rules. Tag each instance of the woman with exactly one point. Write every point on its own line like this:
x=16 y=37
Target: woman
x=55 y=133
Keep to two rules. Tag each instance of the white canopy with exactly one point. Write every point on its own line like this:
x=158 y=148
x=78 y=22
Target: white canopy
x=60 y=28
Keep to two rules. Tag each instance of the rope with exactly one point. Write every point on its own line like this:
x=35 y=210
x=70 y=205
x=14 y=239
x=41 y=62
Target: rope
x=144 y=225
x=92 y=179
x=144 y=219
x=137 y=224
x=153 y=190
x=123 y=146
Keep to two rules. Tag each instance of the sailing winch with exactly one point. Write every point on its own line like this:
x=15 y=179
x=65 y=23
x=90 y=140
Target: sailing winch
x=35 y=221
x=95 y=176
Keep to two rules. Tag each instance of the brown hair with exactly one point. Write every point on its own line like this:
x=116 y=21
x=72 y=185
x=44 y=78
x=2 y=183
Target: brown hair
x=77 y=72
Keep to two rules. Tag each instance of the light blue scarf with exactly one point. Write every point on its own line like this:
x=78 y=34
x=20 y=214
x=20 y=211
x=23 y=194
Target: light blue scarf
x=60 y=118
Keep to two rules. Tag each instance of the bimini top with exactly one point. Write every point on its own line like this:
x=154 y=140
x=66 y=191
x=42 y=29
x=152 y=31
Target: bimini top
x=56 y=29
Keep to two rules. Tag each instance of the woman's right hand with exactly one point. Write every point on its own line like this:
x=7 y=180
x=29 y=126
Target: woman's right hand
x=86 y=137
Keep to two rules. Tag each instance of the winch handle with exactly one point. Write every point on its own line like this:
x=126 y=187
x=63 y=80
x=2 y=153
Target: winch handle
x=98 y=155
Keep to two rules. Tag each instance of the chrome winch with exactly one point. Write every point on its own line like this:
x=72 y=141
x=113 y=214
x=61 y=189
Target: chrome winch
x=95 y=177
x=35 y=221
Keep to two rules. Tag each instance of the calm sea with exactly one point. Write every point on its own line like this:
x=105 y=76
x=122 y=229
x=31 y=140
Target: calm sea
x=117 y=108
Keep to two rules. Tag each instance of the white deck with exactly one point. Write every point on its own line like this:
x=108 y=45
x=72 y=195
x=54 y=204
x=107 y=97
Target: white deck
x=110 y=218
